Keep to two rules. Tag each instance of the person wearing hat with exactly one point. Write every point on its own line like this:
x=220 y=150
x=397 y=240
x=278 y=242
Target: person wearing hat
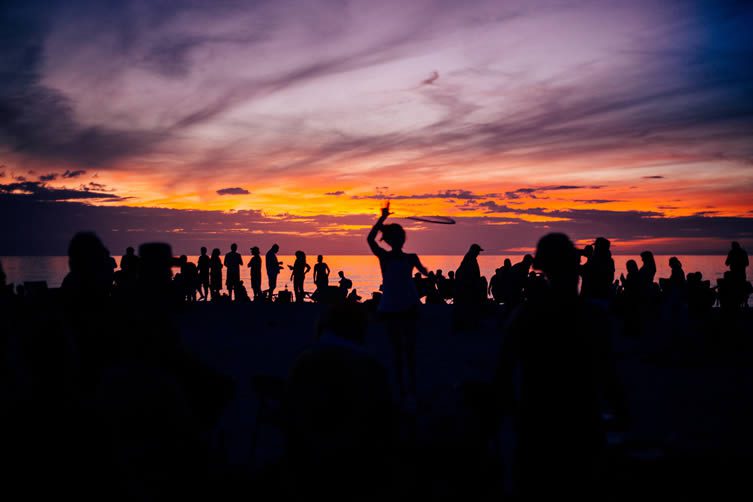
x=255 y=268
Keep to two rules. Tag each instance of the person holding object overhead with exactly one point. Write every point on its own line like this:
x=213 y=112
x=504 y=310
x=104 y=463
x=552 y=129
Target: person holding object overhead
x=400 y=301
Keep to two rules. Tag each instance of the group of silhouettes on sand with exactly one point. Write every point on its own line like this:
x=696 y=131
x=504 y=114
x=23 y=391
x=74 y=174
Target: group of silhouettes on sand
x=107 y=348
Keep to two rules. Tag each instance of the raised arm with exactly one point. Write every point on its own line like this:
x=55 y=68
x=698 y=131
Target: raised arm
x=420 y=266
x=307 y=269
x=371 y=238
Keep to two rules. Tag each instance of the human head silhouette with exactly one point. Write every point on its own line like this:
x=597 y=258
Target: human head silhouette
x=735 y=245
x=474 y=250
x=203 y=250
x=233 y=247
x=528 y=260
x=183 y=259
x=255 y=251
x=601 y=245
x=341 y=274
x=631 y=266
x=557 y=258
x=87 y=255
x=130 y=251
x=319 y=259
x=507 y=263
x=300 y=255
x=394 y=235
x=216 y=253
x=674 y=263
x=275 y=248
x=156 y=265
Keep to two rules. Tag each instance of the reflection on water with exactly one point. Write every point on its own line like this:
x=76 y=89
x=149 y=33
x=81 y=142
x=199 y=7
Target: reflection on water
x=362 y=270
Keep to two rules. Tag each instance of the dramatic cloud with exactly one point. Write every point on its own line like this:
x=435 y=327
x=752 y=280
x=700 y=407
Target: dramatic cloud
x=442 y=194
x=233 y=191
x=73 y=174
x=307 y=100
x=44 y=227
x=37 y=191
x=530 y=192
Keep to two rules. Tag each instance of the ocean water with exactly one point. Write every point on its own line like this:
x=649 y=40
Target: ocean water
x=363 y=270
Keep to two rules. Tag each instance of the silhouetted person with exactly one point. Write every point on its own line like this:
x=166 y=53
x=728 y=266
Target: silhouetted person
x=203 y=269
x=677 y=276
x=321 y=274
x=273 y=268
x=737 y=261
x=631 y=282
x=338 y=414
x=400 y=301
x=519 y=277
x=555 y=372
x=468 y=278
x=255 y=269
x=233 y=262
x=344 y=283
x=299 y=270
x=647 y=272
x=190 y=278
x=215 y=274
x=701 y=297
x=599 y=271
x=129 y=264
x=353 y=296
x=90 y=277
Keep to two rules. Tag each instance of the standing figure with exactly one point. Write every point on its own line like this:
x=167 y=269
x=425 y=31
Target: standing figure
x=321 y=274
x=255 y=268
x=215 y=274
x=233 y=262
x=203 y=268
x=468 y=279
x=299 y=270
x=273 y=269
x=400 y=301
x=556 y=355
x=737 y=261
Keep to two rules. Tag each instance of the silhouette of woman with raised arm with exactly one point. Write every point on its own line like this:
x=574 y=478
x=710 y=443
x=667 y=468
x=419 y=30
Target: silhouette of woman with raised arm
x=399 y=303
x=299 y=270
x=215 y=271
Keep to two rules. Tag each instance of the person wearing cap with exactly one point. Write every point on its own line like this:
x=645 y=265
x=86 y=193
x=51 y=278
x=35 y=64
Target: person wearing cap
x=255 y=268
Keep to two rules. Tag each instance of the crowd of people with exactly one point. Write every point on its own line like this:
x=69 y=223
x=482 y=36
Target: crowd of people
x=108 y=349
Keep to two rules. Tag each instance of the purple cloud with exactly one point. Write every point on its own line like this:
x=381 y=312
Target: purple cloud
x=233 y=191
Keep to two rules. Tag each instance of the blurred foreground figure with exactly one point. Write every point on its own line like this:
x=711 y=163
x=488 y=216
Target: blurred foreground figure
x=558 y=345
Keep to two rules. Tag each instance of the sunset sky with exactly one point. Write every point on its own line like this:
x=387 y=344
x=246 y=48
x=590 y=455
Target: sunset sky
x=208 y=122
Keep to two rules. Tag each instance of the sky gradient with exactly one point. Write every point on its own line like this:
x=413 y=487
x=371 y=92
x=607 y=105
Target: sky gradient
x=202 y=123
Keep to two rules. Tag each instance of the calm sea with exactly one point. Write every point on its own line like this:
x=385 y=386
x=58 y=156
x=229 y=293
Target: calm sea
x=363 y=270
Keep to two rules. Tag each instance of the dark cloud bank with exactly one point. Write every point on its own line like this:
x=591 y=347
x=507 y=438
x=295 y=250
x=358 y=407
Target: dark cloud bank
x=39 y=225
